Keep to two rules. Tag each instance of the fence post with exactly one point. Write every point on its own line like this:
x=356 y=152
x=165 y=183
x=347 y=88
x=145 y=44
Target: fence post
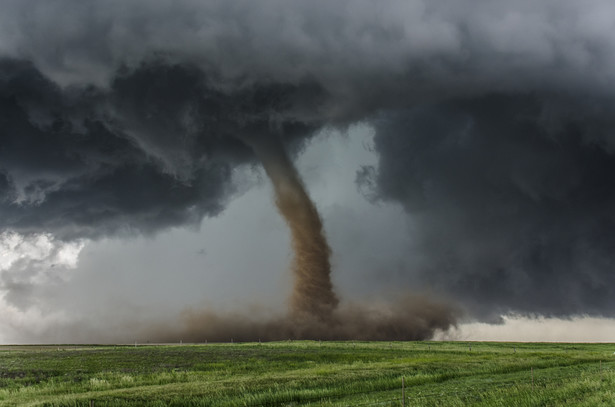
x=403 y=391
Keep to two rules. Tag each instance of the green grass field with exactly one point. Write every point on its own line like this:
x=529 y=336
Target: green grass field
x=308 y=373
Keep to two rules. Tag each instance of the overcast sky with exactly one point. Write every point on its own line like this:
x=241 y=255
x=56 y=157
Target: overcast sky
x=464 y=150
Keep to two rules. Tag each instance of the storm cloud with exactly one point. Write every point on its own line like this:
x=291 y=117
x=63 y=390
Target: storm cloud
x=493 y=126
x=513 y=198
x=156 y=149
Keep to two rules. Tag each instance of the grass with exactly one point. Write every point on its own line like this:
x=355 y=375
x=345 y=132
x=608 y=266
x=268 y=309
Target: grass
x=309 y=373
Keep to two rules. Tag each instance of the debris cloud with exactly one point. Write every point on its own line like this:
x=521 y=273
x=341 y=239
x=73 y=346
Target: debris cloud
x=408 y=318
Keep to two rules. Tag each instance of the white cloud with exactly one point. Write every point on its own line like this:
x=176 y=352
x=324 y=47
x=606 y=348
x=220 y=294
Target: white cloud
x=539 y=329
x=31 y=262
x=41 y=248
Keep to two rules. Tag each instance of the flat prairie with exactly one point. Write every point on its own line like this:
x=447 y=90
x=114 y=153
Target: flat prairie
x=309 y=373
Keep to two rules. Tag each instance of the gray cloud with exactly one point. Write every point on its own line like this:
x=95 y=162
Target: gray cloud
x=387 y=51
x=493 y=124
x=156 y=149
x=514 y=208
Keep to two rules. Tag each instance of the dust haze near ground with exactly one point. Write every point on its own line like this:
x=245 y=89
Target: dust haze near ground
x=409 y=318
x=405 y=318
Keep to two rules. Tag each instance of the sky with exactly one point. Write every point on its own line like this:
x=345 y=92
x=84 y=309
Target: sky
x=459 y=151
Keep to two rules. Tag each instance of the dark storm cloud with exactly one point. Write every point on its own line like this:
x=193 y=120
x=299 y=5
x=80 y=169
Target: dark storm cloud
x=514 y=198
x=494 y=123
x=157 y=149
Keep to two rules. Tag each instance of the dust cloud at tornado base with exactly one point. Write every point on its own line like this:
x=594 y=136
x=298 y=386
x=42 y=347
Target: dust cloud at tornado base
x=409 y=318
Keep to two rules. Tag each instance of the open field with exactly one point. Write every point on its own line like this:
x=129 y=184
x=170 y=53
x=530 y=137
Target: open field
x=309 y=373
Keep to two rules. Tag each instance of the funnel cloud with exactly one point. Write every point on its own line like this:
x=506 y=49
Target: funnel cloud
x=313 y=294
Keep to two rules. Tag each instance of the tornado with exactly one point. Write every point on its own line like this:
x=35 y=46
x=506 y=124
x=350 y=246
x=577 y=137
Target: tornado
x=312 y=296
